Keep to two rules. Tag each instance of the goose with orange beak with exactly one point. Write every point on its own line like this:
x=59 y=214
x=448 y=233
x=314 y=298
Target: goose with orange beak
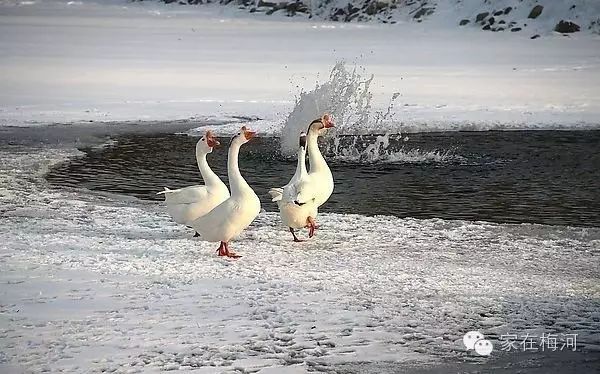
x=187 y=204
x=300 y=199
x=228 y=219
x=293 y=214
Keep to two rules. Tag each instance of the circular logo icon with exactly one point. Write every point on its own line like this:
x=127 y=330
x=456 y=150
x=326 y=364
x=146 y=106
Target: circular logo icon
x=483 y=347
x=475 y=340
x=470 y=338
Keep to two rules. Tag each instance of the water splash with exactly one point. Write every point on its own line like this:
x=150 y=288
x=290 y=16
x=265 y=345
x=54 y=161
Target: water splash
x=387 y=148
x=347 y=97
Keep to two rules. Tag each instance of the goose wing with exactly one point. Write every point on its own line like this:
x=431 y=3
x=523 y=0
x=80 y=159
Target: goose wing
x=186 y=195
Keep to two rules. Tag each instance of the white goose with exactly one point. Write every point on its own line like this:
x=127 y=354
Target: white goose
x=312 y=190
x=293 y=214
x=187 y=204
x=232 y=216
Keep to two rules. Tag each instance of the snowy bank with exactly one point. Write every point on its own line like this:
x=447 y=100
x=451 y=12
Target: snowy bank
x=533 y=16
x=87 y=61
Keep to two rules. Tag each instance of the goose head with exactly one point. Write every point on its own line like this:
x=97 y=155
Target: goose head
x=320 y=125
x=302 y=140
x=243 y=136
x=207 y=142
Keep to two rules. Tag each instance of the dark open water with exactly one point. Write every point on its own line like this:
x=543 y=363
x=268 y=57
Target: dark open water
x=549 y=177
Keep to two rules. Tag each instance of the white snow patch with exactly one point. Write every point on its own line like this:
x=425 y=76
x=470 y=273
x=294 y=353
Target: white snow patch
x=151 y=61
x=93 y=282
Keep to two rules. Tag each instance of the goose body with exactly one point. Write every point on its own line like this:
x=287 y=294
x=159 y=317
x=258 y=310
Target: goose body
x=228 y=219
x=186 y=204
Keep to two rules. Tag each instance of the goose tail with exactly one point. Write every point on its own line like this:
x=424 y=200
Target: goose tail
x=166 y=191
x=276 y=194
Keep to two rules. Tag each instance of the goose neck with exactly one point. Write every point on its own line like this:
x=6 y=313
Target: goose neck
x=237 y=183
x=209 y=176
x=301 y=167
x=317 y=162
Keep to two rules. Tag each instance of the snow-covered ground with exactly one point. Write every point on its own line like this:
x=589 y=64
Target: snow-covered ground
x=94 y=282
x=80 y=61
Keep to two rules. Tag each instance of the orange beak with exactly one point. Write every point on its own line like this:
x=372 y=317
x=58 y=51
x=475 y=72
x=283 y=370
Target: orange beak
x=211 y=140
x=327 y=122
x=248 y=134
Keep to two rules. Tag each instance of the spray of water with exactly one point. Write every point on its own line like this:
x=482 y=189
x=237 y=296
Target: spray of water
x=347 y=97
x=387 y=148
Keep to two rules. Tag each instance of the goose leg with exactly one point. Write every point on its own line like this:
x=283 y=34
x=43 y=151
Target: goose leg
x=222 y=250
x=230 y=254
x=295 y=237
x=312 y=226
